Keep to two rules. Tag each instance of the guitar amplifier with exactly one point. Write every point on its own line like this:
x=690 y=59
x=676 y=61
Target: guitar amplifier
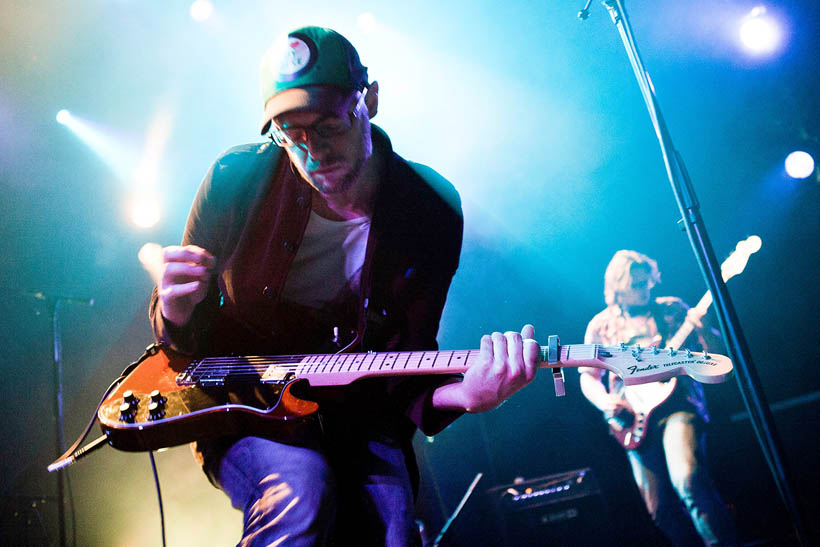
x=562 y=509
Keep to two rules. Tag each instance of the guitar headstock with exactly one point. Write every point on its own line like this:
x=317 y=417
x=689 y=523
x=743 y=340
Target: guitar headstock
x=736 y=262
x=639 y=365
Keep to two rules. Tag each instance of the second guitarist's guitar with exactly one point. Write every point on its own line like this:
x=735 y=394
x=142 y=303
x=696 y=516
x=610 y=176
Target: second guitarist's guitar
x=629 y=428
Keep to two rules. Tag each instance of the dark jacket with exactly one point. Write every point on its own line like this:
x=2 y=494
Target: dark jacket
x=251 y=211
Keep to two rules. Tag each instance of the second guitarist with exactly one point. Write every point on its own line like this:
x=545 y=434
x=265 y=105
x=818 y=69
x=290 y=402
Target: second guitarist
x=661 y=425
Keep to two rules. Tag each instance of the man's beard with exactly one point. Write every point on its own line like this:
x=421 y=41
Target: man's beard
x=345 y=183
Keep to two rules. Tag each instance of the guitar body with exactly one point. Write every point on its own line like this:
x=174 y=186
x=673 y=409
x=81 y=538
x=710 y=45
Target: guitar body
x=643 y=399
x=185 y=413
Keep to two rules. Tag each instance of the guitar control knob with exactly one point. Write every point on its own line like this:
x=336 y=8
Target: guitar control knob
x=128 y=412
x=157 y=397
x=156 y=411
x=128 y=397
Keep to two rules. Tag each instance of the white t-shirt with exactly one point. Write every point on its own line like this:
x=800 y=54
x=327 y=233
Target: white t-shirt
x=329 y=260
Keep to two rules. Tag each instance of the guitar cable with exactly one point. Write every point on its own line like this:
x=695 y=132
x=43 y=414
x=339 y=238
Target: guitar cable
x=159 y=497
x=74 y=453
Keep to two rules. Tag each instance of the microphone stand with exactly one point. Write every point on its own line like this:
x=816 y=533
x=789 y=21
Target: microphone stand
x=53 y=303
x=452 y=518
x=746 y=373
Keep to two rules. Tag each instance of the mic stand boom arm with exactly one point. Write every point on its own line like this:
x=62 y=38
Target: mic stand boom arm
x=746 y=374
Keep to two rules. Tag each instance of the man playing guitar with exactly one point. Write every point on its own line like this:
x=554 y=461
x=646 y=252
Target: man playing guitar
x=661 y=425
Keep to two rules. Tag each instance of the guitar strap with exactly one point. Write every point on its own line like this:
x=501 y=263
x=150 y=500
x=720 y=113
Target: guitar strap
x=661 y=323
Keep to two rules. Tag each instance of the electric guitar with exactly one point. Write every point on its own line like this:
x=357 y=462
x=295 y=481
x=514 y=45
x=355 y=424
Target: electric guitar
x=629 y=428
x=169 y=399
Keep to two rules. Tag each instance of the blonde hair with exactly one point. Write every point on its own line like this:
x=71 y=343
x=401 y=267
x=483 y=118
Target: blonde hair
x=618 y=275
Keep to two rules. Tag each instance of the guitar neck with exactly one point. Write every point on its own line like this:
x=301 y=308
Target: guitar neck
x=732 y=266
x=344 y=368
x=678 y=340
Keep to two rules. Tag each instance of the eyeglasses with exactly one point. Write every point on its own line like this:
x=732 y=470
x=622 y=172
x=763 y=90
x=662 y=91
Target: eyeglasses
x=326 y=127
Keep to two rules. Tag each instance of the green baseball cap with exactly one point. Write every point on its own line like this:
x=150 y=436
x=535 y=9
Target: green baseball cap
x=315 y=67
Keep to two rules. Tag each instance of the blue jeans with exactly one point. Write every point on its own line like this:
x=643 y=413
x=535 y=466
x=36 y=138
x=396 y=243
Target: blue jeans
x=670 y=471
x=356 y=493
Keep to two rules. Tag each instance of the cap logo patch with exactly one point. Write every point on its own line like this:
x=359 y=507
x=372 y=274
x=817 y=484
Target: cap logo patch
x=297 y=57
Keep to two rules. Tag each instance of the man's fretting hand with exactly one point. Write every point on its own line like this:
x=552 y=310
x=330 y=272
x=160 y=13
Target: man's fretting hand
x=506 y=363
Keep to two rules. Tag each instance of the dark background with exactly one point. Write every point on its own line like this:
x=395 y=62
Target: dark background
x=537 y=120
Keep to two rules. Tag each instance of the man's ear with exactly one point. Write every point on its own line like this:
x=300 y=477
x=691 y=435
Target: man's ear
x=371 y=100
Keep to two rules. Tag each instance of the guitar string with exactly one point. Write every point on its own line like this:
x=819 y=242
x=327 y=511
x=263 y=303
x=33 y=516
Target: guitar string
x=345 y=358
x=255 y=364
x=321 y=359
x=325 y=359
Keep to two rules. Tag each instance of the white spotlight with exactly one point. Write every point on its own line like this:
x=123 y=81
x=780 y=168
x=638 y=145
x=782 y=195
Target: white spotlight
x=367 y=21
x=799 y=164
x=63 y=116
x=201 y=10
x=759 y=33
x=145 y=213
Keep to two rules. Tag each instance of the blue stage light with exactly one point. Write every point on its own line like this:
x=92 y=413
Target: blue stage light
x=760 y=33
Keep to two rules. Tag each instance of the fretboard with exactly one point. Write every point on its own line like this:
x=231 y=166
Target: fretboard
x=344 y=368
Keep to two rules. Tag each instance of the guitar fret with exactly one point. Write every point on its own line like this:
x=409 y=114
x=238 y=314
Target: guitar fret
x=443 y=358
x=461 y=358
x=349 y=360
x=313 y=365
x=307 y=363
x=355 y=362
x=331 y=363
x=319 y=363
